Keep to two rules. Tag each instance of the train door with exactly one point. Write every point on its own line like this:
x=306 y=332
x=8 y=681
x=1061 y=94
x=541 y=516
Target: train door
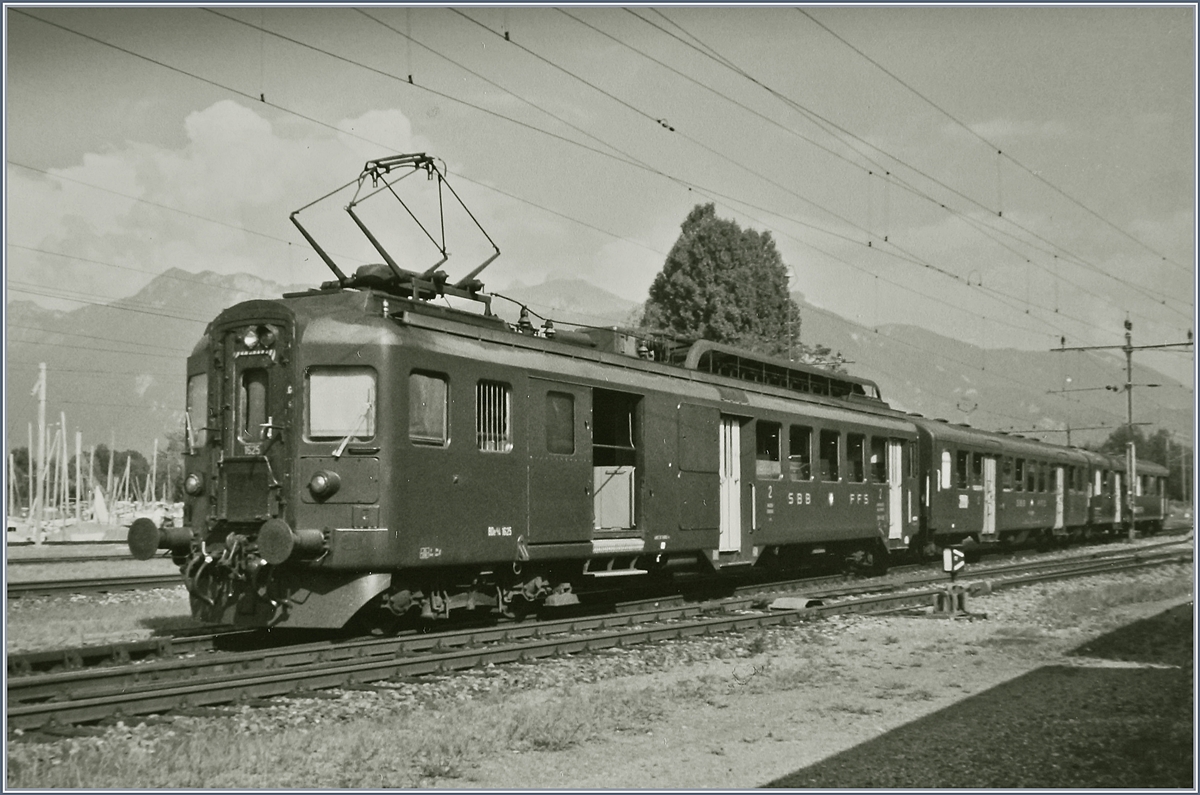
x=1059 y=497
x=615 y=452
x=989 y=496
x=730 y=448
x=1117 y=495
x=559 y=418
x=256 y=400
x=895 y=460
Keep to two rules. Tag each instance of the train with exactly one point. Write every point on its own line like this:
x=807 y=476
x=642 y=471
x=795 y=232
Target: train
x=359 y=455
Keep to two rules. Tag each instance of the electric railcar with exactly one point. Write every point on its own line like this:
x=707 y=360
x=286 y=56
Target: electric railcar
x=357 y=452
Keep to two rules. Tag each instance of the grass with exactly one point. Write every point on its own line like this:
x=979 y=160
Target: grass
x=40 y=623
x=399 y=750
x=1066 y=607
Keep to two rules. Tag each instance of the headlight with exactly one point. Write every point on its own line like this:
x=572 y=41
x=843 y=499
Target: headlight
x=194 y=484
x=251 y=338
x=266 y=337
x=324 y=484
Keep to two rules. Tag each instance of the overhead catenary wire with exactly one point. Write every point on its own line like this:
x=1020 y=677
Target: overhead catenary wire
x=999 y=152
x=823 y=121
x=909 y=256
x=518 y=198
x=442 y=94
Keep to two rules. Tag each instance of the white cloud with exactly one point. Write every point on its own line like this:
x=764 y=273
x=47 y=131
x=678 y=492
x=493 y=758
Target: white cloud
x=220 y=202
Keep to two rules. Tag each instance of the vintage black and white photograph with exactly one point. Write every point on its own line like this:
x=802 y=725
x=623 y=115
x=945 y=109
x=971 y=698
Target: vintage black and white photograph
x=598 y=397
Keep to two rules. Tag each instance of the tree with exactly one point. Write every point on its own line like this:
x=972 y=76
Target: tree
x=727 y=284
x=1156 y=447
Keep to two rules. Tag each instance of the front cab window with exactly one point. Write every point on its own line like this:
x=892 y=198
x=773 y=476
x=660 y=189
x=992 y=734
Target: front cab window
x=341 y=403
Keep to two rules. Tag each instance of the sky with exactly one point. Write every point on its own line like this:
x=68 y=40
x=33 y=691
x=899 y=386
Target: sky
x=1010 y=176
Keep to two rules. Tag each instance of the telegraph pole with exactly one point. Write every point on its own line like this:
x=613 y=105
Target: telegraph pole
x=1130 y=448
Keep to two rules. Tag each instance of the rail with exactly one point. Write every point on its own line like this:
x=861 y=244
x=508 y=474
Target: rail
x=79 y=697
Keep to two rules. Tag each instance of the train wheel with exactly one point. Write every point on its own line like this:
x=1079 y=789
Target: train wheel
x=871 y=560
x=1045 y=541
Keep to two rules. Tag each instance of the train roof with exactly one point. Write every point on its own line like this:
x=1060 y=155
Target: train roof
x=965 y=434
x=717 y=371
x=578 y=362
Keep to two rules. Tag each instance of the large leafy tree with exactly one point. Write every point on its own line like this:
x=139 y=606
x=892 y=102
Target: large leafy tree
x=727 y=284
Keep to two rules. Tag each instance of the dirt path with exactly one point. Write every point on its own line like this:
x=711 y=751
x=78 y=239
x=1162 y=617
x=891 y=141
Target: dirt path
x=861 y=680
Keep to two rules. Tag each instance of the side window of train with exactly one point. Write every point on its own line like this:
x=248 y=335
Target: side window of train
x=910 y=459
x=428 y=409
x=560 y=423
x=1019 y=475
x=493 y=417
x=1006 y=473
x=800 y=452
x=855 y=449
x=945 y=469
x=977 y=471
x=1031 y=476
x=341 y=403
x=962 y=464
x=878 y=459
x=766 y=449
x=829 y=455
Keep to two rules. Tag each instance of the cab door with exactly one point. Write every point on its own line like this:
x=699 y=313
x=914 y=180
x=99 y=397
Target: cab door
x=257 y=399
x=559 y=477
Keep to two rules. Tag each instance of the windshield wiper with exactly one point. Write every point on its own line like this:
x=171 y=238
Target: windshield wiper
x=190 y=432
x=366 y=415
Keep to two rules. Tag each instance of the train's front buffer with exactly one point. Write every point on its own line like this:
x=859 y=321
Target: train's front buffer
x=240 y=552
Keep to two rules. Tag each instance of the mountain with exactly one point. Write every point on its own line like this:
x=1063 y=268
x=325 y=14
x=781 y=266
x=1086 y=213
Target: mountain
x=117 y=371
x=568 y=301
x=999 y=388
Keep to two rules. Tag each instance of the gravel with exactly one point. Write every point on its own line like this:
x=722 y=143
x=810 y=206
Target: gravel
x=1082 y=684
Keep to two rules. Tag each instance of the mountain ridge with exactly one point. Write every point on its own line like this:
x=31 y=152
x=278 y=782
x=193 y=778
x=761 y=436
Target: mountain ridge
x=117 y=370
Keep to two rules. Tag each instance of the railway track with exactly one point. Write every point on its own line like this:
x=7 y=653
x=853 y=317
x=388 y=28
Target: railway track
x=92 y=585
x=58 y=561
x=198 y=642
x=52 y=700
x=144 y=582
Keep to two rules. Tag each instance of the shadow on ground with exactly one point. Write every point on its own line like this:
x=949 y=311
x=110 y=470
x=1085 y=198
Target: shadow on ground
x=161 y=626
x=1056 y=727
